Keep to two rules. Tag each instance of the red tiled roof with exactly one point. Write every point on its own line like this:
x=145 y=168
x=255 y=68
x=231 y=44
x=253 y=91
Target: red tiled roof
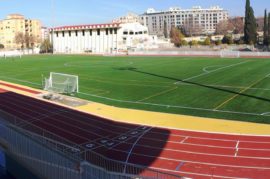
x=89 y=26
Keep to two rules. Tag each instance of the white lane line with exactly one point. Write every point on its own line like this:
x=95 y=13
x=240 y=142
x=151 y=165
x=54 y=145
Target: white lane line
x=133 y=146
x=184 y=139
x=198 y=174
x=205 y=163
x=236 y=148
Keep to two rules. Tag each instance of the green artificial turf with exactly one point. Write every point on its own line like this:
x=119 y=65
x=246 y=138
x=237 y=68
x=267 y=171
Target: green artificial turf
x=237 y=89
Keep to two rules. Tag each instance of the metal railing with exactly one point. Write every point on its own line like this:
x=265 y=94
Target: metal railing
x=88 y=164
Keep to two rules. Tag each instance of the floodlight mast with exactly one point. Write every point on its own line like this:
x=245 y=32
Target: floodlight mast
x=52 y=25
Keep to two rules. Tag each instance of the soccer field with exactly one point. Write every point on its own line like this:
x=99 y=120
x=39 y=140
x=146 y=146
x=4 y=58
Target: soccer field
x=237 y=89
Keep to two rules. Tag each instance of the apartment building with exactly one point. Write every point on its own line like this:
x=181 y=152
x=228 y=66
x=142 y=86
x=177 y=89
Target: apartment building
x=197 y=19
x=16 y=23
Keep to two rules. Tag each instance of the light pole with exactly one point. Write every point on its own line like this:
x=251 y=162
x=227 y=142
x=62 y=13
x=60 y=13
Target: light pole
x=52 y=25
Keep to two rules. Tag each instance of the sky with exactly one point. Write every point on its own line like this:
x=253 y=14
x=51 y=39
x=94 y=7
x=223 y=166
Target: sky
x=74 y=12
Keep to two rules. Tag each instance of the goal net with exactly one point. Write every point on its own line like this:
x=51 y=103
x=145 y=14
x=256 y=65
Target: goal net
x=229 y=54
x=62 y=83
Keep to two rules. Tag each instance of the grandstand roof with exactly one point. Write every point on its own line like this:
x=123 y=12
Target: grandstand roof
x=89 y=26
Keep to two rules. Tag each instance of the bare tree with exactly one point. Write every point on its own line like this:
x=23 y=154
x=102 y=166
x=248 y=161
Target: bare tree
x=192 y=26
x=238 y=25
x=223 y=27
x=20 y=39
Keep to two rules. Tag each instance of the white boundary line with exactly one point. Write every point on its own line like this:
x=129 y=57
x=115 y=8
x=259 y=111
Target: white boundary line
x=206 y=73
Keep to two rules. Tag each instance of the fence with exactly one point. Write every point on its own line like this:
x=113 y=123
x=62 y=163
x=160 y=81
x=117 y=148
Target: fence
x=198 y=53
x=52 y=156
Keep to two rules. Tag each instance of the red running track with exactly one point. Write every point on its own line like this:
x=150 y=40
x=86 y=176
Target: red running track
x=185 y=153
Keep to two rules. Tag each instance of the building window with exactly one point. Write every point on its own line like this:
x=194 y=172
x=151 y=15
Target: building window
x=83 y=33
x=98 y=32
x=69 y=33
x=90 y=32
x=125 y=32
x=56 y=34
x=76 y=33
x=111 y=31
x=115 y=31
x=63 y=34
x=107 y=31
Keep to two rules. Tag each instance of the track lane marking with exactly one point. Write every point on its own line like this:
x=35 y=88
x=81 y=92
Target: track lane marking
x=236 y=148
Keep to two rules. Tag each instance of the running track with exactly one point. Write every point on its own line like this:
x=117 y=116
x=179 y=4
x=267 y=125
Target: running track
x=189 y=154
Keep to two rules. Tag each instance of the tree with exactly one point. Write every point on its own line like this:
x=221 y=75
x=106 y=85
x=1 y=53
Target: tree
x=19 y=39
x=250 y=28
x=227 y=39
x=165 y=31
x=268 y=33
x=191 y=27
x=2 y=46
x=176 y=37
x=207 y=41
x=237 y=23
x=46 y=46
x=265 y=29
x=223 y=27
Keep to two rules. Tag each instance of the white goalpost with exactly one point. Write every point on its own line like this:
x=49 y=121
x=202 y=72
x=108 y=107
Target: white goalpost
x=62 y=83
x=229 y=54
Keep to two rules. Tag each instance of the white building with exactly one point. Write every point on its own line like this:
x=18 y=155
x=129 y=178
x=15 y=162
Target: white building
x=129 y=18
x=44 y=33
x=101 y=38
x=197 y=17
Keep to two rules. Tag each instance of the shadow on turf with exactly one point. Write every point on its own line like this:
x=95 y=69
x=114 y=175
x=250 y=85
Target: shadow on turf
x=193 y=83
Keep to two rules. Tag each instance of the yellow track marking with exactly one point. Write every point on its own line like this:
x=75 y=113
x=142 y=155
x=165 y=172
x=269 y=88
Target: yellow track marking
x=242 y=91
x=158 y=94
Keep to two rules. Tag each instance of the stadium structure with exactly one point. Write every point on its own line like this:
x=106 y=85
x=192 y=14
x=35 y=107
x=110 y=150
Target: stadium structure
x=101 y=38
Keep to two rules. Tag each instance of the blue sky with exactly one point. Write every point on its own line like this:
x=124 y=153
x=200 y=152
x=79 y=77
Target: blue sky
x=69 y=12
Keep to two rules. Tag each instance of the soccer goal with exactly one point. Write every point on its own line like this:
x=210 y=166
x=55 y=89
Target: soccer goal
x=11 y=54
x=62 y=83
x=229 y=54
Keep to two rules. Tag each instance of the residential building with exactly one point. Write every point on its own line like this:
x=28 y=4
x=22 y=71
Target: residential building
x=100 y=38
x=16 y=23
x=194 y=21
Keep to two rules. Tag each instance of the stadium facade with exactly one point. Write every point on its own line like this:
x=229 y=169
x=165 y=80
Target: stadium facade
x=101 y=38
x=197 y=19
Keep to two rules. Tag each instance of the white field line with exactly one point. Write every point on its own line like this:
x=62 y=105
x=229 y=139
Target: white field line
x=197 y=174
x=209 y=71
x=171 y=106
x=236 y=149
x=206 y=73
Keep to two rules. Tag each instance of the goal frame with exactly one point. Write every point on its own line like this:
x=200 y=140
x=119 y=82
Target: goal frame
x=50 y=80
x=229 y=54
